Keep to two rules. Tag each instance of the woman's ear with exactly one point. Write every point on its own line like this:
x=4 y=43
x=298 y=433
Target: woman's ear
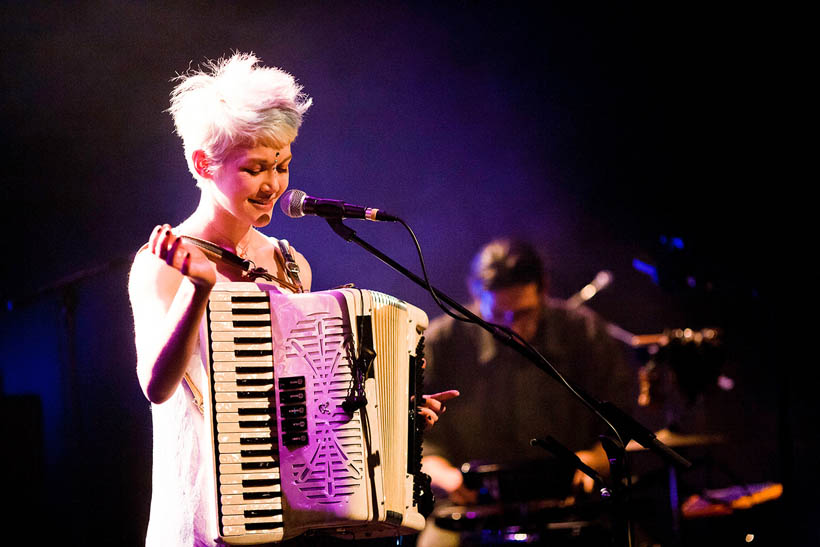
x=202 y=164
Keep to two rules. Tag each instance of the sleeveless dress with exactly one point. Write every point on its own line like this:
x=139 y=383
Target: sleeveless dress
x=183 y=498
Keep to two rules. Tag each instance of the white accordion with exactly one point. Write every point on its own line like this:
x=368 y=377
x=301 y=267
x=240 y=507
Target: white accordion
x=311 y=410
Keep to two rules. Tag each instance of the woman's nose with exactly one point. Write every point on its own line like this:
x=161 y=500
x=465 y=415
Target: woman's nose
x=272 y=182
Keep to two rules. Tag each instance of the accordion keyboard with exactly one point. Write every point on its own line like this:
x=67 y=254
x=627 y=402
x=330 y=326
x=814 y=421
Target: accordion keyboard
x=244 y=416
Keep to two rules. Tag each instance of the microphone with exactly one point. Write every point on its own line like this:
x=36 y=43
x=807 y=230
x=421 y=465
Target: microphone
x=295 y=204
x=601 y=281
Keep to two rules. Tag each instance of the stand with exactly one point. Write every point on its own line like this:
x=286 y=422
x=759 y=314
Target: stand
x=625 y=426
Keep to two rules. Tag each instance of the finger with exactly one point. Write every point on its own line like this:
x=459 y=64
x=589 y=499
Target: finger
x=165 y=240
x=433 y=404
x=588 y=484
x=156 y=237
x=173 y=251
x=428 y=416
x=186 y=264
x=577 y=478
x=423 y=363
x=444 y=395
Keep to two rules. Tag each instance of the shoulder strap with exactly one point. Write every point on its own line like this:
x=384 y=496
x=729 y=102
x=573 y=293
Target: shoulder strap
x=251 y=271
x=291 y=267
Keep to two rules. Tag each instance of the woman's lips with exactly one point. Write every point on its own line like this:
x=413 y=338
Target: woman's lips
x=266 y=203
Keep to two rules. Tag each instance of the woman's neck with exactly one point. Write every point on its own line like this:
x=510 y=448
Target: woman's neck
x=218 y=226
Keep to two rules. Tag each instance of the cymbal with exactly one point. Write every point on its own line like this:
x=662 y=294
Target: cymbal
x=677 y=440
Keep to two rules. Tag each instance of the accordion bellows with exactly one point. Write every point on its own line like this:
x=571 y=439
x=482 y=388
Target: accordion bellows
x=312 y=415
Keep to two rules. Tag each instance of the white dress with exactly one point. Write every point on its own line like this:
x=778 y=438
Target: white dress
x=183 y=499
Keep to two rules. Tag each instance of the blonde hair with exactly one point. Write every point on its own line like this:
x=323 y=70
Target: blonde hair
x=234 y=103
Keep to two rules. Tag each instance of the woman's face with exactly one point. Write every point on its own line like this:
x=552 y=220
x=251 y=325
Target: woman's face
x=250 y=181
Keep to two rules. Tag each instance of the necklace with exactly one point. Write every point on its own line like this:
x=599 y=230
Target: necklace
x=243 y=251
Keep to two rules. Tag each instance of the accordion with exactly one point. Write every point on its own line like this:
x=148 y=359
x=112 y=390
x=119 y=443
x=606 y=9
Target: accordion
x=312 y=413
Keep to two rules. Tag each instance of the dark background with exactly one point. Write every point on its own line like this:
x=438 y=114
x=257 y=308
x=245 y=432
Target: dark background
x=598 y=132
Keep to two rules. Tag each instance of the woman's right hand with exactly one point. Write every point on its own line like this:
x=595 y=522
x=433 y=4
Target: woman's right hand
x=188 y=259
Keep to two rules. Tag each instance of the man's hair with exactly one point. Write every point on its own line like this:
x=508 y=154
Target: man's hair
x=235 y=103
x=506 y=262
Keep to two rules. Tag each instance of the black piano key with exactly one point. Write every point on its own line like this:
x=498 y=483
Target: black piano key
x=250 y=324
x=258 y=453
x=259 y=483
x=255 y=411
x=255 y=298
x=253 y=370
x=250 y=311
x=261 y=495
x=255 y=394
x=256 y=513
x=251 y=340
x=256 y=440
x=256 y=526
x=250 y=466
x=254 y=381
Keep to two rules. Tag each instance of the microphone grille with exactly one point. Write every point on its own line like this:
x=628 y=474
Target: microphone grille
x=292 y=202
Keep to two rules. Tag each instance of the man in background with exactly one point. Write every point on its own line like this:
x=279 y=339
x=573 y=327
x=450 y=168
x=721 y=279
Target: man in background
x=505 y=399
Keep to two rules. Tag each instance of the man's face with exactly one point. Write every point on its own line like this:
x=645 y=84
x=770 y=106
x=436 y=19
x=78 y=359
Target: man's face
x=517 y=307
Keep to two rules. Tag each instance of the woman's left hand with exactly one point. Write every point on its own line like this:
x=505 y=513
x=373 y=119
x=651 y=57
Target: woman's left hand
x=433 y=406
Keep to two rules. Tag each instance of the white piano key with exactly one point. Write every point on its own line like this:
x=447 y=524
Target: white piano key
x=231 y=386
x=239 y=509
x=221 y=305
x=237 y=478
x=232 y=437
x=229 y=326
x=231 y=356
x=233 y=427
x=238 y=489
x=233 y=377
x=236 y=499
x=224 y=417
x=232 y=346
x=236 y=448
x=235 y=406
x=230 y=366
x=228 y=335
x=239 y=458
x=234 y=468
x=235 y=520
x=230 y=317
x=265 y=394
x=264 y=536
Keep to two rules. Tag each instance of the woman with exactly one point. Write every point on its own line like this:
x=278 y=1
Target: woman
x=237 y=121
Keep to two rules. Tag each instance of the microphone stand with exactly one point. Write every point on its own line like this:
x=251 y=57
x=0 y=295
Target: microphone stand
x=626 y=426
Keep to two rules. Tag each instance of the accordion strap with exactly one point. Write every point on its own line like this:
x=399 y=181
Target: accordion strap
x=249 y=269
x=199 y=402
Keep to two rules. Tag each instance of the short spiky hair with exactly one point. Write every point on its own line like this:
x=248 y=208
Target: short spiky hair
x=232 y=103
